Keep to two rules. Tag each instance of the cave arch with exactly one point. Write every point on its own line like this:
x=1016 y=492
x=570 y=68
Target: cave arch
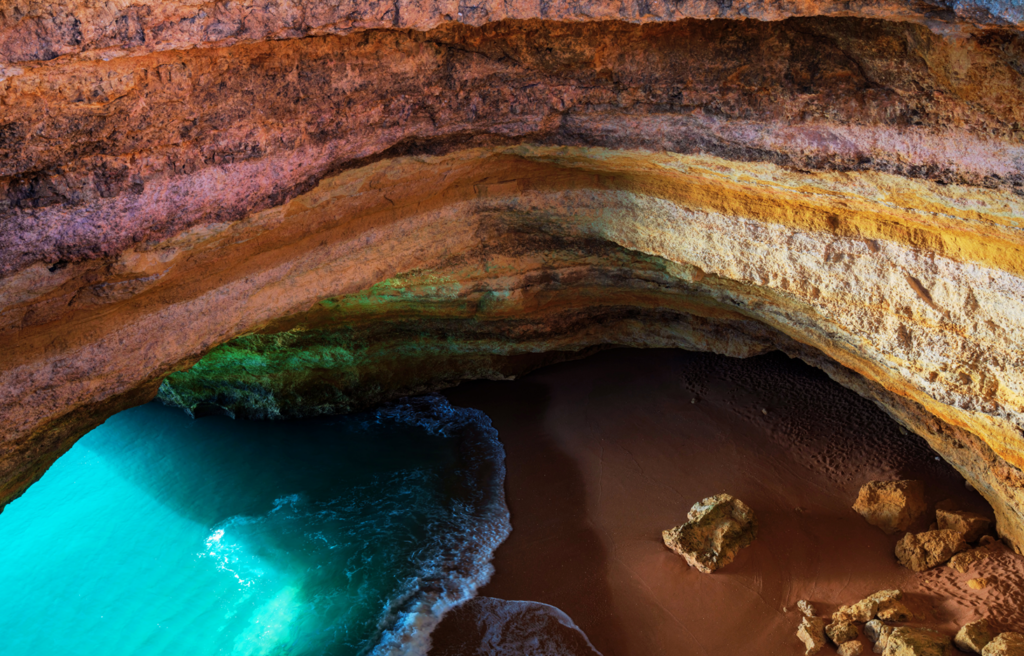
x=328 y=221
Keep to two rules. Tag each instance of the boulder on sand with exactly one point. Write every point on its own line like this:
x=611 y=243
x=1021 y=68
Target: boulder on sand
x=971 y=525
x=1005 y=644
x=862 y=611
x=963 y=562
x=891 y=607
x=851 y=648
x=878 y=633
x=812 y=633
x=886 y=605
x=840 y=631
x=923 y=551
x=896 y=611
x=715 y=531
x=973 y=637
x=891 y=505
x=913 y=641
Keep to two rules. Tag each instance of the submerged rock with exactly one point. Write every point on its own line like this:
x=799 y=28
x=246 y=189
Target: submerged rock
x=923 y=551
x=891 y=505
x=812 y=633
x=1005 y=644
x=973 y=637
x=913 y=641
x=715 y=531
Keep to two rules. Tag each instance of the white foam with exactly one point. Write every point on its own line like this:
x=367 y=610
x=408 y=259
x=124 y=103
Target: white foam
x=464 y=561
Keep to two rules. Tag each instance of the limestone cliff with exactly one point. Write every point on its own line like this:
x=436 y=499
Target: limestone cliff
x=326 y=207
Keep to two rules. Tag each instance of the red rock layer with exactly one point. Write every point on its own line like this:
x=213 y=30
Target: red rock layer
x=96 y=156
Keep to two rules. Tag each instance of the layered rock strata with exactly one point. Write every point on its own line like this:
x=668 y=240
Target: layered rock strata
x=32 y=30
x=346 y=211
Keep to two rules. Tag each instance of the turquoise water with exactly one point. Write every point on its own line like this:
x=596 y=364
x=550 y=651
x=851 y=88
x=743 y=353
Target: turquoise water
x=161 y=534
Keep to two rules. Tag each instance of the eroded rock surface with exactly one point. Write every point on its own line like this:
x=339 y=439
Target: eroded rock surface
x=715 y=531
x=914 y=641
x=891 y=606
x=841 y=631
x=851 y=648
x=811 y=632
x=891 y=505
x=862 y=611
x=34 y=30
x=966 y=560
x=878 y=633
x=973 y=637
x=327 y=206
x=1005 y=644
x=970 y=525
x=923 y=551
x=806 y=608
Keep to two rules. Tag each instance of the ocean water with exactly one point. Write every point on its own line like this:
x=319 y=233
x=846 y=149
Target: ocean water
x=160 y=534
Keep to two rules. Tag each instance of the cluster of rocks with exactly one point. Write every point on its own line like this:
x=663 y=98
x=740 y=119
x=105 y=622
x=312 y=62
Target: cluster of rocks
x=843 y=632
x=895 y=505
x=876 y=611
x=715 y=531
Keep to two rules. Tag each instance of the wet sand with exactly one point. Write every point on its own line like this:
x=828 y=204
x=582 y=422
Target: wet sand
x=605 y=453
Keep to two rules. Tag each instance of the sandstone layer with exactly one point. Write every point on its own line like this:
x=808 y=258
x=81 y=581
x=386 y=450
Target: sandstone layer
x=328 y=210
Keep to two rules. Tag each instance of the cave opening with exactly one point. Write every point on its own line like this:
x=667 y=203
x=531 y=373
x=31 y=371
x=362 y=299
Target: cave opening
x=339 y=534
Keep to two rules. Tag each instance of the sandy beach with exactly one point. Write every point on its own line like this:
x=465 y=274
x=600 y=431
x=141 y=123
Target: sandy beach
x=606 y=452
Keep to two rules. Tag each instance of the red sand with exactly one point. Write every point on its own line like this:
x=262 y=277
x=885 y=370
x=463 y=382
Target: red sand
x=605 y=453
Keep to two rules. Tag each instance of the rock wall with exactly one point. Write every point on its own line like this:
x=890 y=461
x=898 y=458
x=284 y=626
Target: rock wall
x=327 y=211
x=34 y=30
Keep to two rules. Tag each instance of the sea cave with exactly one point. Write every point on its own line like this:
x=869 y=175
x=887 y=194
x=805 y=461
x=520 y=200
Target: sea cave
x=552 y=328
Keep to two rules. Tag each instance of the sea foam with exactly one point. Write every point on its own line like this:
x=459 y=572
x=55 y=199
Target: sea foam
x=461 y=558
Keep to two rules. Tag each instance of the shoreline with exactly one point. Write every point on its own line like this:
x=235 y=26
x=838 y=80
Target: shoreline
x=604 y=453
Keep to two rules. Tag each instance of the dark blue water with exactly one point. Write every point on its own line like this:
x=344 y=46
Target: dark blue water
x=161 y=534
